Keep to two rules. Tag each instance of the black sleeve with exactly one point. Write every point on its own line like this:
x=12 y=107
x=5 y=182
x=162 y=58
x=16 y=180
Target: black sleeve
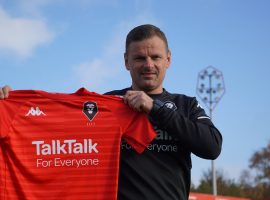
x=191 y=126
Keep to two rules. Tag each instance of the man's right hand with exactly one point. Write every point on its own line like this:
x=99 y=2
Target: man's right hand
x=4 y=91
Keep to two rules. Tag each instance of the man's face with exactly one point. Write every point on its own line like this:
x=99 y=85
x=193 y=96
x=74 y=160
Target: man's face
x=147 y=61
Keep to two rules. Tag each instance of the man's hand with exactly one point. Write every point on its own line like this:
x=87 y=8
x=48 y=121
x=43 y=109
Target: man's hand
x=138 y=101
x=4 y=91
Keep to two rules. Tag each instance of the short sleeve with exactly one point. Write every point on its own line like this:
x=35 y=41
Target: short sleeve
x=9 y=108
x=137 y=129
x=8 y=111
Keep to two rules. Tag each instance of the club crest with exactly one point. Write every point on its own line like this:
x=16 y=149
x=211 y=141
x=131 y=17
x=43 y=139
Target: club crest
x=170 y=105
x=90 y=109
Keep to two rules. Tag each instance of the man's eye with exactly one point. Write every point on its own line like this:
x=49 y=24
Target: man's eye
x=156 y=57
x=139 y=58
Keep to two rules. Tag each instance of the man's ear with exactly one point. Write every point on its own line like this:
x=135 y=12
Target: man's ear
x=168 y=58
x=126 y=61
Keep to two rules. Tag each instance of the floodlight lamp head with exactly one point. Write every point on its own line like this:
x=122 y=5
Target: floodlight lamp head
x=202 y=77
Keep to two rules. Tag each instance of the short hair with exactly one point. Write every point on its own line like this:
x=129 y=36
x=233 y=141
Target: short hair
x=143 y=32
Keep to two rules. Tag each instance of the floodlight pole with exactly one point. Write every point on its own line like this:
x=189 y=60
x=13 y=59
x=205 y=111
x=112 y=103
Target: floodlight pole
x=214 y=178
x=211 y=95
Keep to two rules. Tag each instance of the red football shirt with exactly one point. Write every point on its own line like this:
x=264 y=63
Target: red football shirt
x=65 y=146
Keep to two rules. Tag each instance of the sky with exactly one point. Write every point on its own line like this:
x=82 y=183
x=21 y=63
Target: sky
x=62 y=45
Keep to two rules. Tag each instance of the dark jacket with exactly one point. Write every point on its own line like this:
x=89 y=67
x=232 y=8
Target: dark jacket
x=162 y=171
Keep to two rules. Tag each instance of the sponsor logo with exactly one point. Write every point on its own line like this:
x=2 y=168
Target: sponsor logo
x=65 y=147
x=90 y=109
x=35 y=112
x=60 y=162
x=162 y=143
x=62 y=153
x=162 y=135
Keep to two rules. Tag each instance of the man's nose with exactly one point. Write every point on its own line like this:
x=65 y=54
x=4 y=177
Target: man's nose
x=148 y=62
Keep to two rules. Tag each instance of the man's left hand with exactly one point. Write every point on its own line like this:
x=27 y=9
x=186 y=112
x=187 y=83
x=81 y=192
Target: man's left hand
x=138 y=101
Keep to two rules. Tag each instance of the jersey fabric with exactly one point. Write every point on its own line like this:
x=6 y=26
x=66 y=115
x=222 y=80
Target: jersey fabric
x=162 y=171
x=65 y=146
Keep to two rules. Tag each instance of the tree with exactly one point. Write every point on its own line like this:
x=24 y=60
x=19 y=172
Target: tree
x=253 y=183
x=260 y=163
x=225 y=186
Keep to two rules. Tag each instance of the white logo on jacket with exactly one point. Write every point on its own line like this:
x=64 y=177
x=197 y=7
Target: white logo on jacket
x=170 y=105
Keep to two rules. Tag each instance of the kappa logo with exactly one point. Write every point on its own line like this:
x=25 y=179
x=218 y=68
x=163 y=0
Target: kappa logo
x=199 y=106
x=90 y=109
x=170 y=105
x=35 y=112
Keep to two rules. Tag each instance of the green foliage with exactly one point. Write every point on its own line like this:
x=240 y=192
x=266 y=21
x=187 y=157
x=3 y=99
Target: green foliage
x=260 y=162
x=254 y=183
x=225 y=186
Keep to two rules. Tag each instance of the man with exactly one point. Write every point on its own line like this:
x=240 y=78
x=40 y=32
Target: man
x=162 y=172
